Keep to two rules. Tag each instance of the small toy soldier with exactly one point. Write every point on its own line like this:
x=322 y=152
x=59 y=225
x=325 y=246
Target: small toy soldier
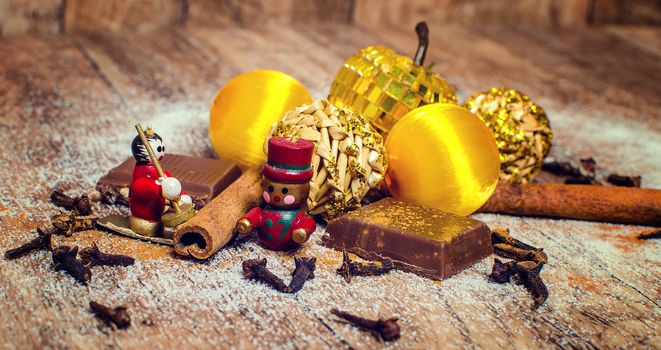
x=148 y=190
x=283 y=222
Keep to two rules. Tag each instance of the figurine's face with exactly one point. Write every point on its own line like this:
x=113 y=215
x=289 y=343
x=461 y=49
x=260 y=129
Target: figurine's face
x=158 y=147
x=283 y=195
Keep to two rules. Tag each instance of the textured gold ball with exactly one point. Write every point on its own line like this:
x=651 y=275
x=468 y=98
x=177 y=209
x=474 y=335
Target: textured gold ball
x=383 y=86
x=520 y=127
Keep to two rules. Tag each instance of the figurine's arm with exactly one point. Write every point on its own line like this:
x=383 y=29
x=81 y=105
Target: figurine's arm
x=183 y=196
x=248 y=222
x=302 y=228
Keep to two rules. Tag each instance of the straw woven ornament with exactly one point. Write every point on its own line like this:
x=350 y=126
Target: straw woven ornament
x=349 y=157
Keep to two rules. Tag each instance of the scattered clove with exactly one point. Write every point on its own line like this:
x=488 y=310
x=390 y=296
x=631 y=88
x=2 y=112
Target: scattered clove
x=82 y=204
x=65 y=259
x=41 y=242
x=511 y=252
x=351 y=268
x=501 y=272
x=304 y=271
x=112 y=196
x=117 y=317
x=626 y=181
x=92 y=256
x=387 y=330
x=654 y=233
x=581 y=180
x=499 y=235
x=582 y=175
x=528 y=274
x=256 y=269
x=67 y=224
x=526 y=267
x=561 y=168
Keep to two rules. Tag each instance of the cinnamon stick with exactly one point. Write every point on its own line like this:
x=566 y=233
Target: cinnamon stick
x=213 y=226
x=582 y=202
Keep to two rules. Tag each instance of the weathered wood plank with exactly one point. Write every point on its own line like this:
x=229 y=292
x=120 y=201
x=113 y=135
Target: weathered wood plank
x=130 y=15
x=36 y=16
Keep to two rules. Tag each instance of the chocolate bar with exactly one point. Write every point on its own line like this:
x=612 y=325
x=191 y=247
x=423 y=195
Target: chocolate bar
x=201 y=178
x=422 y=240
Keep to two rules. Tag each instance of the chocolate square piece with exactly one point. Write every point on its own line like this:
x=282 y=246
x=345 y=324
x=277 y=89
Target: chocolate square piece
x=422 y=240
x=201 y=178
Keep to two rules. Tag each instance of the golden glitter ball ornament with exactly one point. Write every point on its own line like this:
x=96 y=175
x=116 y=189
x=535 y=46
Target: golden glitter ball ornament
x=349 y=158
x=521 y=128
x=383 y=86
x=444 y=157
x=245 y=108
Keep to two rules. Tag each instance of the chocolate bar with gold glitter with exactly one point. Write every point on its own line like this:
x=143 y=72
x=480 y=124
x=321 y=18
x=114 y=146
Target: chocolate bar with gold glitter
x=422 y=240
x=201 y=178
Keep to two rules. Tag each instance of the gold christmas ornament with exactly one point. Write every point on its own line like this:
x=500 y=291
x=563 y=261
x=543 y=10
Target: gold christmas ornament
x=444 y=157
x=349 y=157
x=521 y=128
x=245 y=108
x=383 y=86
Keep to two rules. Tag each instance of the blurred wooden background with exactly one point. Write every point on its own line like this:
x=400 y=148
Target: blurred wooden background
x=53 y=16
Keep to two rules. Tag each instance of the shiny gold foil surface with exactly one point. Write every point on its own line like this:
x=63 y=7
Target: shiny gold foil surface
x=349 y=158
x=245 y=108
x=383 y=86
x=442 y=156
x=521 y=129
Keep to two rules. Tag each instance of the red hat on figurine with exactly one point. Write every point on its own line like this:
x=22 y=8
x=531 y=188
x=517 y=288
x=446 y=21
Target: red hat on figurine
x=288 y=161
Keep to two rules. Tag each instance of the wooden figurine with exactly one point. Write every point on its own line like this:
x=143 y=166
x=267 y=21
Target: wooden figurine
x=283 y=223
x=151 y=186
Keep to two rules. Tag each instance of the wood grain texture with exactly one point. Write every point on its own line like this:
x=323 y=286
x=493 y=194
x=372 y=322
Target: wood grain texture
x=30 y=16
x=114 y=15
x=256 y=13
x=67 y=106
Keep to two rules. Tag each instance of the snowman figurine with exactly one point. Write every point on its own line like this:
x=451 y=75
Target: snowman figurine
x=148 y=191
x=283 y=223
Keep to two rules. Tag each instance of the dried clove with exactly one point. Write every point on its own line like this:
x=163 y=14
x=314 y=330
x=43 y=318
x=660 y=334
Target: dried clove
x=351 y=268
x=501 y=272
x=110 y=195
x=41 y=242
x=581 y=180
x=528 y=274
x=561 y=168
x=82 y=204
x=500 y=235
x=67 y=224
x=387 y=330
x=511 y=252
x=650 y=234
x=92 y=256
x=256 y=269
x=304 y=271
x=117 y=317
x=626 y=181
x=65 y=259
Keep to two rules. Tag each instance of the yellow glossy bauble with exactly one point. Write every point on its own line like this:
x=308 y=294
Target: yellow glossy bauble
x=244 y=110
x=383 y=86
x=521 y=129
x=442 y=156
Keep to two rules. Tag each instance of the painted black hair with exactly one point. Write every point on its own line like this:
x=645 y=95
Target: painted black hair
x=138 y=149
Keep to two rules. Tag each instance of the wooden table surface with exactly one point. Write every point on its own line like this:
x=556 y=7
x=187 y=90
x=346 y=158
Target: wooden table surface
x=67 y=106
